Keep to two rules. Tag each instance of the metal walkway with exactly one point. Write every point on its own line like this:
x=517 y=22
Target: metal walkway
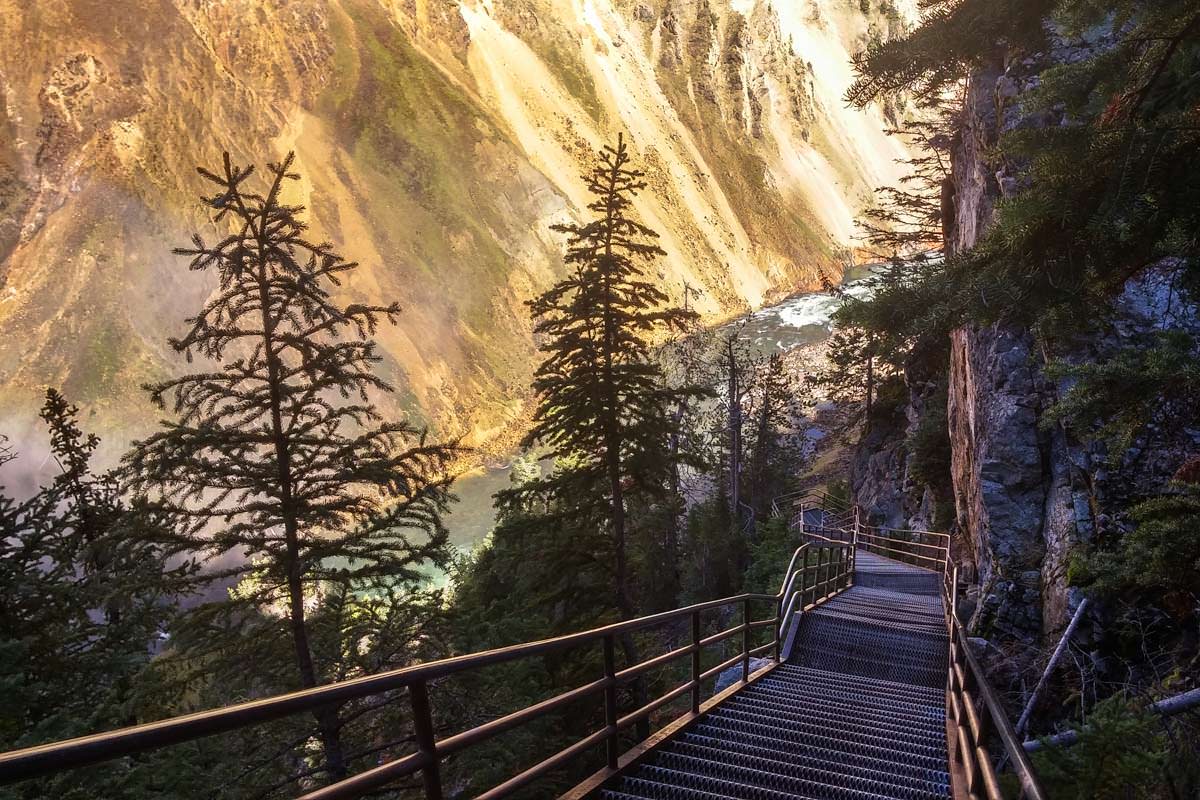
x=858 y=711
x=869 y=680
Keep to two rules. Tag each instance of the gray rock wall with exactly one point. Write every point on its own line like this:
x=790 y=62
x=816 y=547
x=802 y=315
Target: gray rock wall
x=1027 y=492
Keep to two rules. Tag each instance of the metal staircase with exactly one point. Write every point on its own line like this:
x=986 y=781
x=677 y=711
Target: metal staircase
x=858 y=711
x=867 y=689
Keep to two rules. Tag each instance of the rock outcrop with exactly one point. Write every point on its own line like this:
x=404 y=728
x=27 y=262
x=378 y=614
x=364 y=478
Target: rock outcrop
x=1027 y=491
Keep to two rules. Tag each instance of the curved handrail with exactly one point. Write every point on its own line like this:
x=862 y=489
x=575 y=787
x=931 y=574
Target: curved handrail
x=789 y=579
x=821 y=497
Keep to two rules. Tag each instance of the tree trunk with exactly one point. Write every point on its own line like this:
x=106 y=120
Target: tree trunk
x=672 y=538
x=327 y=718
x=761 y=457
x=612 y=445
x=870 y=389
x=735 y=435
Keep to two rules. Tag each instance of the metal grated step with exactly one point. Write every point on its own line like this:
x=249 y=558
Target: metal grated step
x=851 y=715
x=858 y=711
x=832 y=761
x=871 y=686
x=819 y=683
x=832 y=738
x=813 y=783
x=877 y=781
x=822 y=746
x=849 y=703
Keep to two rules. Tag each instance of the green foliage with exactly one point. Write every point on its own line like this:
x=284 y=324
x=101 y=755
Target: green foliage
x=875 y=339
x=890 y=398
x=839 y=492
x=774 y=446
x=1118 y=396
x=955 y=36
x=603 y=406
x=850 y=356
x=1099 y=198
x=1079 y=571
x=1098 y=161
x=928 y=445
x=769 y=556
x=1159 y=561
x=714 y=558
x=544 y=571
x=279 y=466
x=1121 y=754
x=86 y=596
x=907 y=217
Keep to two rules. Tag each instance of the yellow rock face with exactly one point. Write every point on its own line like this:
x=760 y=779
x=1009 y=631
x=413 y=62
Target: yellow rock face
x=438 y=142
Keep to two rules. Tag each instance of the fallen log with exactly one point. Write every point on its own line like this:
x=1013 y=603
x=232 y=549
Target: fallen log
x=1163 y=708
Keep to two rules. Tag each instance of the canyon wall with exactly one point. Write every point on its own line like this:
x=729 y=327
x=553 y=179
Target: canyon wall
x=1027 y=492
x=438 y=141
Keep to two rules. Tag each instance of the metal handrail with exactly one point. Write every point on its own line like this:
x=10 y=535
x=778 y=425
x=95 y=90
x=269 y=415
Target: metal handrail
x=73 y=753
x=909 y=542
x=971 y=722
x=819 y=497
x=59 y=756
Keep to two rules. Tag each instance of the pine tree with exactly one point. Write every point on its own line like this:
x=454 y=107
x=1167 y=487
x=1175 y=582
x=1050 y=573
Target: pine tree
x=774 y=452
x=954 y=37
x=1101 y=194
x=734 y=365
x=277 y=455
x=865 y=349
x=603 y=407
x=602 y=401
x=912 y=215
x=87 y=593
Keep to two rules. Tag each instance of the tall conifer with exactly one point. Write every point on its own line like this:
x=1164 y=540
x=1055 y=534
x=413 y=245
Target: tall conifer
x=86 y=594
x=277 y=455
x=774 y=452
x=603 y=405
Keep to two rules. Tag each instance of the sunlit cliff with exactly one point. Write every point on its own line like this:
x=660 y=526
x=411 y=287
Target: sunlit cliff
x=438 y=142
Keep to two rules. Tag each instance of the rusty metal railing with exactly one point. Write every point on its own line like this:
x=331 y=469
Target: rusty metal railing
x=816 y=573
x=974 y=713
x=977 y=715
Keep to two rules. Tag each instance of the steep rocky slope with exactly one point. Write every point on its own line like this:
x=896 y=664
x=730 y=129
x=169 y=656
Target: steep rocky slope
x=438 y=141
x=1028 y=492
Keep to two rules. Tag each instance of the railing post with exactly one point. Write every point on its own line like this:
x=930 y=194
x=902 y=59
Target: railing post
x=830 y=572
x=746 y=640
x=804 y=584
x=779 y=623
x=810 y=580
x=696 y=662
x=611 y=744
x=426 y=743
x=954 y=593
x=822 y=572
